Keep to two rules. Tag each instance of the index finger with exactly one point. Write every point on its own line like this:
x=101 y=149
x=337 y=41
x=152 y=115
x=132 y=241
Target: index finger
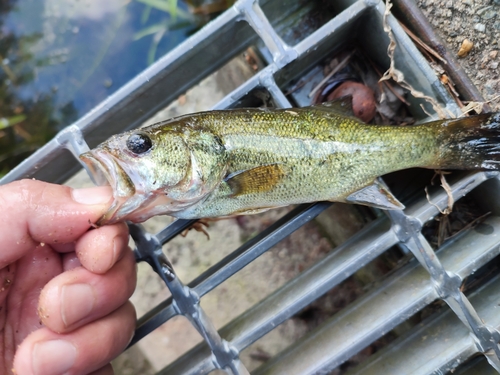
x=35 y=212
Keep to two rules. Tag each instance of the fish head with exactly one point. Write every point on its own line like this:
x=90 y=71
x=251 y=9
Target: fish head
x=152 y=172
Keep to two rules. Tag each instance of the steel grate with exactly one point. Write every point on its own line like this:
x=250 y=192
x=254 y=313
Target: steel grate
x=431 y=276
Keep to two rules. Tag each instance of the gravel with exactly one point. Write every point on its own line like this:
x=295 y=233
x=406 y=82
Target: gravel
x=479 y=22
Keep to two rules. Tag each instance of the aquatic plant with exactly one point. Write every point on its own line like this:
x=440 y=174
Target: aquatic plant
x=177 y=19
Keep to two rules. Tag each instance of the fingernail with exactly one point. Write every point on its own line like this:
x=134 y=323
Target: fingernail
x=77 y=301
x=53 y=357
x=118 y=244
x=93 y=195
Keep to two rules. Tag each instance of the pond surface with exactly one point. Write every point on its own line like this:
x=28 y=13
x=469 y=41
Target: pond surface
x=60 y=58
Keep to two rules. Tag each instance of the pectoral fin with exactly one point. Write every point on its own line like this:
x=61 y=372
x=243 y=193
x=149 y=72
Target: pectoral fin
x=255 y=180
x=376 y=195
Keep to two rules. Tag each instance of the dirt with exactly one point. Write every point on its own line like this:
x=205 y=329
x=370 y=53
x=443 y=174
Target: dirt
x=479 y=22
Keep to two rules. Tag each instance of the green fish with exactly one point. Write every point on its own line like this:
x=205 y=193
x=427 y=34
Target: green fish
x=232 y=162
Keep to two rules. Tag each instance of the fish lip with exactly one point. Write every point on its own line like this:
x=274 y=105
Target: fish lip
x=97 y=170
x=104 y=170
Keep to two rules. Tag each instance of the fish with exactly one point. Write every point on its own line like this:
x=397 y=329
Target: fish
x=244 y=161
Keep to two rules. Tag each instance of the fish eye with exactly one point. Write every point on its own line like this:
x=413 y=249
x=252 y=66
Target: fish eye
x=139 y=143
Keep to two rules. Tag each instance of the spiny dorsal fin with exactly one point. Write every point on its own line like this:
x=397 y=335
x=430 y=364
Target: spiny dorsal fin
x=376 y=195
x=256 y=180
x=342 y=106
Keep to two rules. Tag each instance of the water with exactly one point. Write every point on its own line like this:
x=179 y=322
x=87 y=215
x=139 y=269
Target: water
x=60 y=58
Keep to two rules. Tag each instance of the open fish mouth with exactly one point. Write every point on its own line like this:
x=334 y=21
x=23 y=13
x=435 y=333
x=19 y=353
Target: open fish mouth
x=105 y=170
x=96 y=169
x=130 y=201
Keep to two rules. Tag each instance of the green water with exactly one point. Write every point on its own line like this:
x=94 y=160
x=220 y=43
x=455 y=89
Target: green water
x=60 y=58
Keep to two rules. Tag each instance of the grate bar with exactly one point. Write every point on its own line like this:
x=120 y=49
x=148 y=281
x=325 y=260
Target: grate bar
x=255 y=247
x=227 y=266
x=153 y=319
x=441 y=340
x=337 y=266
x=310 y=285
x=267 y=80
x=398 y=298
x=281 y=52
x=446 y=283
x=423 y=211
x=295 y=295
x=186 y=301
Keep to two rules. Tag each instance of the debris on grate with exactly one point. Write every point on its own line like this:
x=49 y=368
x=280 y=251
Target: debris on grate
x=350 y=73
x=465 y=214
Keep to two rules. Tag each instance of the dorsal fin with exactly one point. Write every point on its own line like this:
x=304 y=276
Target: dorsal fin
x=342 y=106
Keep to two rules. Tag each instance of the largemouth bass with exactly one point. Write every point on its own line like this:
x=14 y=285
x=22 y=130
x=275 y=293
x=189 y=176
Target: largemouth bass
x=231 y=162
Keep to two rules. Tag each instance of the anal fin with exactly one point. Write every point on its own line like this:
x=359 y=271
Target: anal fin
x=376 y=195
x=252 y=211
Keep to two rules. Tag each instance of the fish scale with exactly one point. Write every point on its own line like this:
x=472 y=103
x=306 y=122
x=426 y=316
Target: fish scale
x=339 y=160
x=224 y=163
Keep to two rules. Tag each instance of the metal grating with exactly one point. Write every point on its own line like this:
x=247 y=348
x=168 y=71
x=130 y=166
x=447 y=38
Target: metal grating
x=432 y=276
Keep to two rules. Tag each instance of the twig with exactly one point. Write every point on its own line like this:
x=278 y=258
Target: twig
x=388 y=84
x=431 y=202
x=329 y=75
x=198 y=226
x=446 y=187
x=298 y=85
x=423 y=109
x=472 y=223
x=398 y=76
x=451 y=87
x=422 y=44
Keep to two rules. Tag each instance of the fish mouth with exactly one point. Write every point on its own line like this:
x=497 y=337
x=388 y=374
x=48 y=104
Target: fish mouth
x=97 y=171
x=105 y=170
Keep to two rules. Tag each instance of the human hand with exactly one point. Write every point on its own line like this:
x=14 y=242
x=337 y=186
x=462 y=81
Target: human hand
x=64 y=289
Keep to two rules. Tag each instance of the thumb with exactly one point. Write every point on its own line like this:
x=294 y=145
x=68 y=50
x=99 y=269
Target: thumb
x=33 y=212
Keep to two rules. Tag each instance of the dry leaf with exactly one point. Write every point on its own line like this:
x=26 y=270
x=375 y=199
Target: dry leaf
x=476 y=106
x=398 y=76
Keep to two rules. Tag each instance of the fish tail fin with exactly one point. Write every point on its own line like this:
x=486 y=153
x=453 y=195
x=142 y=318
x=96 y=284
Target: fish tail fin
x=471 y=143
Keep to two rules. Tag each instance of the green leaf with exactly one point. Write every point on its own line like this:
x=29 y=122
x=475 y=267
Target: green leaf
x=145 y=14
x=11 y=121
x=169 y=6
x=172 y=6
x=153 y=29
x=157 y=4
x=154 y=46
